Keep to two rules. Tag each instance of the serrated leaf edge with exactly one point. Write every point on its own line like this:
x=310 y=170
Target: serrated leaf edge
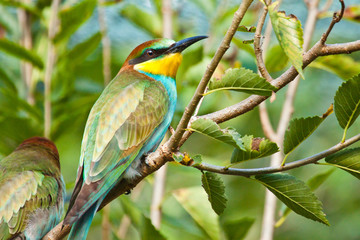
x=320 y=220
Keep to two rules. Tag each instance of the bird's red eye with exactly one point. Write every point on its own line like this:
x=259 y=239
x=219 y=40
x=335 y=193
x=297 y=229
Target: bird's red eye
x=149 y=52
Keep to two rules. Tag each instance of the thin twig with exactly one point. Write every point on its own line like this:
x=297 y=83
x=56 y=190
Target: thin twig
x=157 y=197
x=251 y=102
x=225 y=44
x=257 y=47
x=105 y=224
x=336 y=18
x=164 y=154
x=267 y=227
x=26 y=40
x=266 y=170
x=106 y=62
x=160 y=175
x=266 y=123
x=264 y=116
x=287 y=111
x=106 y=44
x=326 y=6
x=50 y=61
x=126 y=221
x=267 y=127
x=288 y=108
x=199 y=104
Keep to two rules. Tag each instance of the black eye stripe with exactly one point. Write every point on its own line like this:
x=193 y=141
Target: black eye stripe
x=146 y=56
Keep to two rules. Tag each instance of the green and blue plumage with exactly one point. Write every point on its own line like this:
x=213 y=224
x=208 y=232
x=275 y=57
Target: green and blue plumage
x=129 y=119
x=32 y=190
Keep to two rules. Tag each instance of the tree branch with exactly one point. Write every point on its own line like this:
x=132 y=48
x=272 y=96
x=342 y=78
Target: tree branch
x=160 y=175
x=286 y=113
x=280 y=82
x=225 y=44
x=106 y=67
x=164 y=153
x=50 y=61
x=264 y=116
x=266 y=170
x=106 y=44
x=26 y=40
x=257 y=48
x=336 y=18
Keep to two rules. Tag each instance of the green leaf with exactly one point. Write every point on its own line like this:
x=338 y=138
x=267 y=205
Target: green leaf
x=129 y=209
x=276 y=60
x=347 y=103
x=299 y=130
x=251 y=41
x=197 y=159
x=254 y=148
x=348 y=160
x=241 y=80
x=18 y=51
x=289 y=33
x=8 y=20
x=352 y=13
x=238 y=229
x=177 y=157
x=209 y=128
x=302 y=128
x=313 y=183
x=12 y=105
x=79 y=53
x=14 y=130
x=243 y=28
x=148 y=231
x=5 y=81
x=140 y=221
x=193 y=200
x=215 y=189
x=73 y=17
x=347 y=69
x=246 y=47
x=295 y=194
x=316 y=181
x=153 y=23
x=19 y=4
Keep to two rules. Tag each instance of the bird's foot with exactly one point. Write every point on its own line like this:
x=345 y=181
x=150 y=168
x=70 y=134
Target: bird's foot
x=127 y=192
x=150 y=162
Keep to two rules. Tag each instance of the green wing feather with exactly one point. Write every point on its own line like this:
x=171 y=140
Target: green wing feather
x=16 y=190
x=121 y=121
x=21 y=194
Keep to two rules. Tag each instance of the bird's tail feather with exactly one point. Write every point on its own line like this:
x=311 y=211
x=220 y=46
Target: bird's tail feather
x=81 y=227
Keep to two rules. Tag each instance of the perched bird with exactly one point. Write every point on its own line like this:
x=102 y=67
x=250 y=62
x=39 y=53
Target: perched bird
x=31 y=190
x=129 y=119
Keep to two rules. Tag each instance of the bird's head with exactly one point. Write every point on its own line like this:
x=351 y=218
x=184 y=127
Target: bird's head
x=43 y=143
x=159 y=56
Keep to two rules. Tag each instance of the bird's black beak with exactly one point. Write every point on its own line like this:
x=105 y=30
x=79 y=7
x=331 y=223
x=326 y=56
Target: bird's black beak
x=181 y=45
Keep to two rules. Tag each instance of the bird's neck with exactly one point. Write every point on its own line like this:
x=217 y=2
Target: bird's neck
x=168 y=82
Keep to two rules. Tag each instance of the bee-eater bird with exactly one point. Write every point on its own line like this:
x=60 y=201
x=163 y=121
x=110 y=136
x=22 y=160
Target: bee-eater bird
x=31 y=190
x=129 y=119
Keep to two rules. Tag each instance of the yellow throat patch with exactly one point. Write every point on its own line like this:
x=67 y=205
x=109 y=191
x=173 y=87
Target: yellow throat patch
x=166 y=66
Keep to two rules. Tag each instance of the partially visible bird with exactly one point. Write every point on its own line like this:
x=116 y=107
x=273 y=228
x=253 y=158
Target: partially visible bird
x=129 y=120
x=31 y=190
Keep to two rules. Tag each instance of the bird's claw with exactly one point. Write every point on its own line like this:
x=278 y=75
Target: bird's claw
x=150 y=162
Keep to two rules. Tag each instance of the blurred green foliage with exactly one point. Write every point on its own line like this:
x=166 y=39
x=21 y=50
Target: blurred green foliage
x=77 y=81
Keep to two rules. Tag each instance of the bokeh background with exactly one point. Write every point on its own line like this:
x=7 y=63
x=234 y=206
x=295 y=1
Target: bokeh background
x=77 y=81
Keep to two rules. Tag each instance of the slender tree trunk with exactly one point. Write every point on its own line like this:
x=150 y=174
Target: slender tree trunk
x=160 y=175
